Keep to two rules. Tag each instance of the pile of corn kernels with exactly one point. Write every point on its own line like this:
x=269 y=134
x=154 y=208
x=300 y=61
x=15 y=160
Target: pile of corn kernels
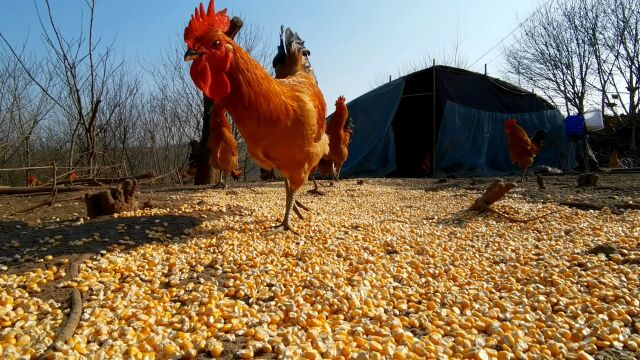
x=379 y=270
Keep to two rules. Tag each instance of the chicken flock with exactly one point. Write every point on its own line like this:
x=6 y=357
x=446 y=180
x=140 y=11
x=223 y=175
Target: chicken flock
x=282 y=118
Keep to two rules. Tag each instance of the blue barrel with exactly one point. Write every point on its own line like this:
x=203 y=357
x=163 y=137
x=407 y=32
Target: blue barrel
x=574 y=127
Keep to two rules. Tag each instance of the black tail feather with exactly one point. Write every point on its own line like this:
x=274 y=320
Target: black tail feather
x=538 y=137
x=290 y=40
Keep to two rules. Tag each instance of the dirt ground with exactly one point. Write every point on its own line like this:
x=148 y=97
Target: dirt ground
x=64 y=232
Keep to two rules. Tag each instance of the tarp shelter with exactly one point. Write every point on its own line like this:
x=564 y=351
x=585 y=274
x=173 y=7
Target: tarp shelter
x=403 y=122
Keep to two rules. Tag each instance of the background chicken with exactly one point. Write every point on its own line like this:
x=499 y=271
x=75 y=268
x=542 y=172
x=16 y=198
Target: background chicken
x=223 y=146
x=73 y=176
x=339 y=132
x=281 y=120
x=32 y=180
x=614 y=160
x=522 y=150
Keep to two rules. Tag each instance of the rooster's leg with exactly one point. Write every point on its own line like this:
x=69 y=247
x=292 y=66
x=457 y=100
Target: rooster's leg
x=222 y=184
x=284 y=226
x=522 y=177
x=315 y=190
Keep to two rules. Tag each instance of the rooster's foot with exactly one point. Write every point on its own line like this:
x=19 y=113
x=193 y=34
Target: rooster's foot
x=220 y=185
x=301 y=205
x=279 y=229
x=315 y=192
x=297 y=212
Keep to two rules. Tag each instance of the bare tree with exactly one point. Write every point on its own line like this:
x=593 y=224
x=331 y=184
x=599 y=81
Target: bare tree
x=80 y=69
x=623 y=40
x=553 y=55
x=23 y=108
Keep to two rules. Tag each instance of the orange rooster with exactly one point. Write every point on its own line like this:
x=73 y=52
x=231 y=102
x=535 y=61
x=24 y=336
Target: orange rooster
x=222 y=144
x=32 y=180
x=281 y=120
x=614 y=160
x=522 y=150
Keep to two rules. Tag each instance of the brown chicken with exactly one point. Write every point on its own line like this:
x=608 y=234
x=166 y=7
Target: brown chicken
x=339 y=131
x=522 y=150
x=222 y=145
x=281 y=120
x=32 y=180
x=73 y=175
x=614 y=160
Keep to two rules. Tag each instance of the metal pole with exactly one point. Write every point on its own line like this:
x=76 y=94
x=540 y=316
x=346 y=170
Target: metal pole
x=433 y=119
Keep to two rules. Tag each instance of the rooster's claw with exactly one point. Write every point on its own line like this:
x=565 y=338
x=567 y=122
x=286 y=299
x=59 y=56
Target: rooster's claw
x=280 y=228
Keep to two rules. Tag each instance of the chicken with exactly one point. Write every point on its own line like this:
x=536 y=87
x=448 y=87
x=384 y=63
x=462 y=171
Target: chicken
x=73 y=175
x=222 y=145
x=32 y=180
x=614 y=160
x=236 y=174
x=339 y=132
x=522 y=150
x=281 y=120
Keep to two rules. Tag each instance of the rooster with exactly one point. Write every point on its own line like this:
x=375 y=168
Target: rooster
x=281 y=120
x=223 y=146
x=522 y=150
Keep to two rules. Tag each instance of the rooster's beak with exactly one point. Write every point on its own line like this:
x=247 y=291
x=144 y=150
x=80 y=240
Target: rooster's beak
x=191 y=54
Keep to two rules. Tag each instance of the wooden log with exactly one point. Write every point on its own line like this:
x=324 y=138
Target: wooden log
x=112 y=201
x=26 y=190
x=494 y=192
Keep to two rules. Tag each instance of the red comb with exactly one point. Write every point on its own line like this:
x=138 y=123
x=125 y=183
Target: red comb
x=341 y=99
x=510 y=122
x=202 y=22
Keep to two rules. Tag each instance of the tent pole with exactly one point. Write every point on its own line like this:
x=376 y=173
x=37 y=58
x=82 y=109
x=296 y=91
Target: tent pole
x=433 y=119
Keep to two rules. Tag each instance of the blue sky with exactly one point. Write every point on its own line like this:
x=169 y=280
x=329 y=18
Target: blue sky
x=354 y=43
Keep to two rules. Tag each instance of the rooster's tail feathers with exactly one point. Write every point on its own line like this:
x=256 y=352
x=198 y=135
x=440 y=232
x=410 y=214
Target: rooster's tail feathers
x=292 y=55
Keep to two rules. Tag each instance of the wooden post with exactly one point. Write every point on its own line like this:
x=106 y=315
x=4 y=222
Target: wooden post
x=433 y=91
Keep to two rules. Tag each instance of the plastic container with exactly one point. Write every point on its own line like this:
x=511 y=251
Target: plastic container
x=593 y=120
x=574 y=127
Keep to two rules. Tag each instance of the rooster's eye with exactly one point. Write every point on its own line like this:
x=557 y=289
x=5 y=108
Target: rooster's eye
x=216 y=44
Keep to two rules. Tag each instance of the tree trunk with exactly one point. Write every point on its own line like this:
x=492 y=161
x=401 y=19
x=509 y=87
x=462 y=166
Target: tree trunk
x=632 y=108
x=203 y=168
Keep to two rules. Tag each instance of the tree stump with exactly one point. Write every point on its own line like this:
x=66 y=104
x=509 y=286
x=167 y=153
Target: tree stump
x=112 y=201
x=589 y=179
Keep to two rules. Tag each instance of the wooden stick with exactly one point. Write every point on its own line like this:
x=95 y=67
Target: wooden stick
x=23 y=190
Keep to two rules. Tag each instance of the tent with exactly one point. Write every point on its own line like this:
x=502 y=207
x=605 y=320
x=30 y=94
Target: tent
x=399 y=126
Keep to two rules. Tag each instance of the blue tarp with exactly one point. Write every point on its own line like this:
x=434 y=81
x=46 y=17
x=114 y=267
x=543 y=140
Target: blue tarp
x=372 y=149
x=473 y=143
